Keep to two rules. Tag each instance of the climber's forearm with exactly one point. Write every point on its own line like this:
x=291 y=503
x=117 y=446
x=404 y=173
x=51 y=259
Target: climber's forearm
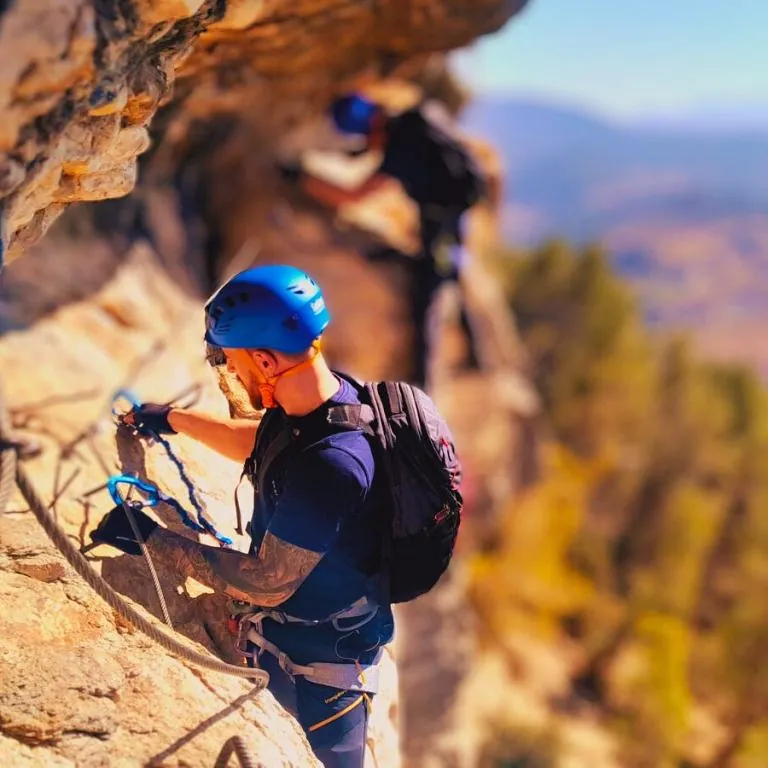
x=336 y=196
x=370 y=185
x=233 y=438
x=267 y=579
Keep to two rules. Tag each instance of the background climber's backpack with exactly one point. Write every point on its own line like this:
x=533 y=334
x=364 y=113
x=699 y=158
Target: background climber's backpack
x=417 y=472
x=430 y=159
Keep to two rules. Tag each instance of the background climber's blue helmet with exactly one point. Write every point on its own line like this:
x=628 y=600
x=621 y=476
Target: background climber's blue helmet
x=354 y=114
x=270 y=307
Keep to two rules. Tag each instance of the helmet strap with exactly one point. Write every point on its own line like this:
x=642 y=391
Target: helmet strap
x=268 y=385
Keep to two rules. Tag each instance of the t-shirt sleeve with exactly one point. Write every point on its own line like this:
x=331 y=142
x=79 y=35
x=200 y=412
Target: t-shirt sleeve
x=321 y=490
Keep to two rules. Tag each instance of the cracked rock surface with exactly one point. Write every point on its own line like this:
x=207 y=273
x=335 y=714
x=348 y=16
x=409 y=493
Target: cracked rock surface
x=76 y=692
x=80 y=80
x=78 y=686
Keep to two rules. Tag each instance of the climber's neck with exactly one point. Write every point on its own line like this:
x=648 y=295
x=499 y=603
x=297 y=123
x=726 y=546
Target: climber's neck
x=302 y=392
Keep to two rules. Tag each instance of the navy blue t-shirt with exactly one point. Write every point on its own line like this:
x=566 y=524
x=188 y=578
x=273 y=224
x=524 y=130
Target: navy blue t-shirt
x=319 y=496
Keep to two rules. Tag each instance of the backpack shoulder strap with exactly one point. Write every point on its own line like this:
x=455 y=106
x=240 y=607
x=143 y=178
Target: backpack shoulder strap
x=412 y=409
x=394 y=399
x=250 y=468
x=279 y=443
x=351 y=417
x=386 y=440
x=385 y=401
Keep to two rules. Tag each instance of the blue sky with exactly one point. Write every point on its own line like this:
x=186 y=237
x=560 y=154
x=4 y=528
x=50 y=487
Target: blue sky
x=629 y=58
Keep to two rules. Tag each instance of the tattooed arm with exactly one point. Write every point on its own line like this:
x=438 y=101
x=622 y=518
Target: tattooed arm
x=266 y=579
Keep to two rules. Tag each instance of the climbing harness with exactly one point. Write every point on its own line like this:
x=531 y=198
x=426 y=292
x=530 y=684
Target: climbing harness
x=348 y=677
x=202 y=525
x=345 y=677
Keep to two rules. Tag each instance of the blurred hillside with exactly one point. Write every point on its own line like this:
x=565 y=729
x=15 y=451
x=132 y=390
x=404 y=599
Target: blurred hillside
x=683 y=211
x=642 y=555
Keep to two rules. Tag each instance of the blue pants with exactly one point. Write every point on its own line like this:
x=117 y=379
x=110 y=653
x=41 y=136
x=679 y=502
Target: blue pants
x=335 y=721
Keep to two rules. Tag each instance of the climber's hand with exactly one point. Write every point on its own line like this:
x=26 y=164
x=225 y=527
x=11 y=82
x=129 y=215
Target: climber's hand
x=150 y=419
x=115 y=529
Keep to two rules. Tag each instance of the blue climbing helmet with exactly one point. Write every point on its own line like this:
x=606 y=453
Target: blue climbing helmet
x=354 y=114
x=276 y=307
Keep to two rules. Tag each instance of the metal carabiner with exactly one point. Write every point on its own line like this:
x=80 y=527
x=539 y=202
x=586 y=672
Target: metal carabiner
x=152 y=493
x=127 y=396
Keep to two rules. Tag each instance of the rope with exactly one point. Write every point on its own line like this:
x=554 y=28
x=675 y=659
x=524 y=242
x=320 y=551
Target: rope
x=148 y=558
x=237 y=746
x=10 y=470
x=113 y=599
x=96 y=582
x=7 y=463
x=7 y=473
x=205 y=525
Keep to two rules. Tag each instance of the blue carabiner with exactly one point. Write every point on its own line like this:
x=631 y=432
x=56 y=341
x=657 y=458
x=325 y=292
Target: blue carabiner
x=128 y=396
x=151 y=491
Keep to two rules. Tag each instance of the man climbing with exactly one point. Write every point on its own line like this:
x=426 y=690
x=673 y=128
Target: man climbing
x=422 y=151
x=308 y=592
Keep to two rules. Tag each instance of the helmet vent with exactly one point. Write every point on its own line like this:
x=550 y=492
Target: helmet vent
x=230 y=302
x=291 y=323
x=244 y=298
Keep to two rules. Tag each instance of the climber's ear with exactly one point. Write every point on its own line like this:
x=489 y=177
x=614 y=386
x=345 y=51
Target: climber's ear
x=265 y=362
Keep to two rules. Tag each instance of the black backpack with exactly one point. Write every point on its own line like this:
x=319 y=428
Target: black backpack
x=417 y=471
x=432 y=163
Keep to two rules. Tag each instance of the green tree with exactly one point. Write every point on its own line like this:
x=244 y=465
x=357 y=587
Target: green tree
x=657 y=564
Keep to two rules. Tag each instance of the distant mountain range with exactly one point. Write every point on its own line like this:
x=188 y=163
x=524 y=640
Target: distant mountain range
x=578 y=175
x=684 y=211
x=725 y=117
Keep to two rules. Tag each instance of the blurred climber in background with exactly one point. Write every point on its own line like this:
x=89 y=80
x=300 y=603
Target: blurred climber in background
x=421 y=149
x=307 y=595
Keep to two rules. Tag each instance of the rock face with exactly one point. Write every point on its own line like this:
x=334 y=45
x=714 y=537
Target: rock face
x=81 y=79
x=85 y=312
x=81 y=331
x=140 y=329
x=78 y=688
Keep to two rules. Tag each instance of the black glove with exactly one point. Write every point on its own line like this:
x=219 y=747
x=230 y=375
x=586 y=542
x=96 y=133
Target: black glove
x=150 y=418
x=115 y=529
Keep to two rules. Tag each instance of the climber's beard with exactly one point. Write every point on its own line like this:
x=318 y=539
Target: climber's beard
x=250 y=387
x=243 y=401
